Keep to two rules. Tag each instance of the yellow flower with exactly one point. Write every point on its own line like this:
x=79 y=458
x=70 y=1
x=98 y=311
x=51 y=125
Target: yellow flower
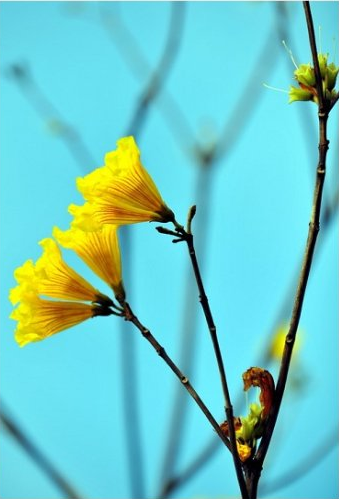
x=27 y=283
x=119 y=193
x=52 y=277
x=99 y=250
x=38 y=318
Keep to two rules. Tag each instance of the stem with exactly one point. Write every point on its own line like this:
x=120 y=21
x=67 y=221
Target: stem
x=129 y=316
x=305 y=268
x=213 y=333
x=313 y=45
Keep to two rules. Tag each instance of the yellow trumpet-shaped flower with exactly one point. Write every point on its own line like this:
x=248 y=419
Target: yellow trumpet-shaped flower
x=99 y=250
x=38 y=318
x=52 y=277
x=119 y=193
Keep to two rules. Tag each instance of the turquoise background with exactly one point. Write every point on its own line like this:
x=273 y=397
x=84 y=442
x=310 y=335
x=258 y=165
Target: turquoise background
x=80 y=393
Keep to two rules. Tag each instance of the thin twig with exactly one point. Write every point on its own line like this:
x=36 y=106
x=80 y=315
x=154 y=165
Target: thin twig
x=230 y=135
x=209 y=450
x=188 y=238
x=234 y=126
x=131 y=317
x=179 y=414
x=313 y=45
x=305 y=271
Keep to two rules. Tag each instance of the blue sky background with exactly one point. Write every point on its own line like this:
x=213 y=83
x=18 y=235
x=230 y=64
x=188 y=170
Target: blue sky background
x=253 y=206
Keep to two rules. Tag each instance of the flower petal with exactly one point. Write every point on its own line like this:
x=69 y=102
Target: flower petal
x=99 y=250
x=38 y=318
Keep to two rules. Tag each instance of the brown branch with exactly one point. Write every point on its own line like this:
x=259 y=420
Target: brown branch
x=131 y=317
x=228 y=139
x=207 y=161
x=311 y=35
x=303 y=278
x=187 y=236
x=176 y=429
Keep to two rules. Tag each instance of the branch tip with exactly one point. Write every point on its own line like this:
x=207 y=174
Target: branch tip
x=191 y=214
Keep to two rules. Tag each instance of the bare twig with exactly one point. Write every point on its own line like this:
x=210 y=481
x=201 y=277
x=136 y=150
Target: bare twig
x=210 y=448
x=207 y=161
x=187 y=236
x=230 y=136
x=131 y=317
x=311 y=35
x=305 y=270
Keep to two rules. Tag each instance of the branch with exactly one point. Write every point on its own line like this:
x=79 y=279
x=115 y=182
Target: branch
x=303 y=278
x=311 y=35
x=129 y=316
x=235 y=123
x=187 y=236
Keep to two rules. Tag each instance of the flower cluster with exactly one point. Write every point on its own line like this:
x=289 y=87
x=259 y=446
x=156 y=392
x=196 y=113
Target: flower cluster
x=305 y=76
x=50 y=295
x=250 y=428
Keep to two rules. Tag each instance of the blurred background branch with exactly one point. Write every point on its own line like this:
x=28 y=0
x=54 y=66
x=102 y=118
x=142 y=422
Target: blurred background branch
x=22 y=75
x=35 y=453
